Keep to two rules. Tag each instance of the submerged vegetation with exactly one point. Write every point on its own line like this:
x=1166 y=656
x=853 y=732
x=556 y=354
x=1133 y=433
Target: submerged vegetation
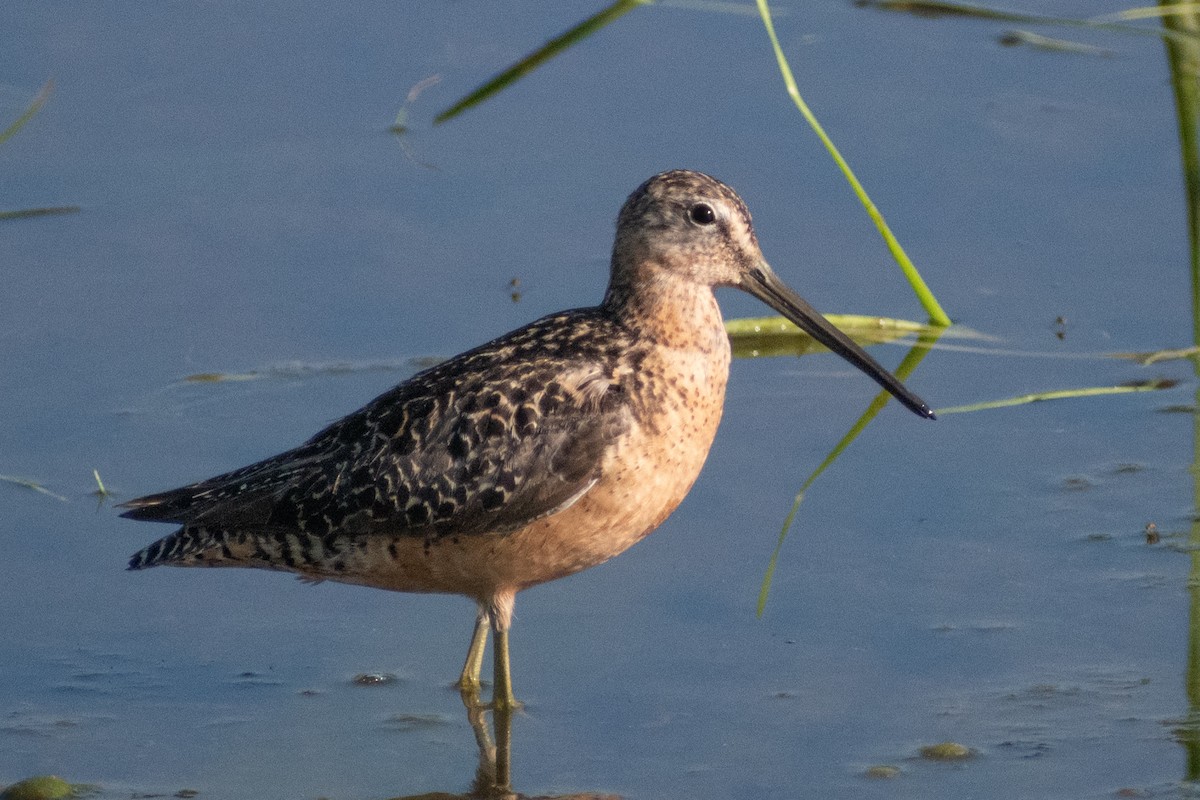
x=30 y=112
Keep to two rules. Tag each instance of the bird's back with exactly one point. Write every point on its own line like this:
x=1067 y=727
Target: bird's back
x=485 y=442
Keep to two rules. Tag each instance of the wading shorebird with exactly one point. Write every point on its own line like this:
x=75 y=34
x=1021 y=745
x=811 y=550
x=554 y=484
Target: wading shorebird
x=539 y=454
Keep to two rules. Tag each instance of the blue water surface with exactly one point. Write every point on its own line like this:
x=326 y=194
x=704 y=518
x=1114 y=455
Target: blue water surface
x=244 y=210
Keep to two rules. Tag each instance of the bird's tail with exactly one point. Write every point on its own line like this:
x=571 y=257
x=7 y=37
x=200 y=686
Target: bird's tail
x=188 y=546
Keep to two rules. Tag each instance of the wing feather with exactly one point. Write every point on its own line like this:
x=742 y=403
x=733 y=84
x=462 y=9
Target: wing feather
x=488 y=442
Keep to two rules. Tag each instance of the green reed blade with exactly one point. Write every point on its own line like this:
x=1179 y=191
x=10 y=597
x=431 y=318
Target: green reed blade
x=934 y=309
x=758 y=337
x=1155 y=356
x=25 y=483
x=540 y=56
x=937 y=8
x=26 y=213
x=1053 y=44
x=1182 y=59
x=100 y=490
x=34 y=107
x=1112 y=23
x=853 y=324
x=914 y=357
x=1166 y=9
x=1154 y=385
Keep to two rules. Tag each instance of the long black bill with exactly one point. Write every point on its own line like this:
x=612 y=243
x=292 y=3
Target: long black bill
x=766 y=286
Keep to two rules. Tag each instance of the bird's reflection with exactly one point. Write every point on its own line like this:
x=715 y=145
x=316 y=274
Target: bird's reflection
x=493 y=775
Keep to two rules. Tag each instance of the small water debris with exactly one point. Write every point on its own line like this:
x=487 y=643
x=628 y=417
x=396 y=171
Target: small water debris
x=1014 y=38
x=40 y=787
x=251 y=679
x=1177 y=408
x=299 y=370
x=373 y=679
x=946 y=751
x=983 y=627
x=882 y=772
x=413 y=722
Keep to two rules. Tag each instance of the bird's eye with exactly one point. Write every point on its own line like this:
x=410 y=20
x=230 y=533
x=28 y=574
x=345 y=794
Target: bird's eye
x=702 y=214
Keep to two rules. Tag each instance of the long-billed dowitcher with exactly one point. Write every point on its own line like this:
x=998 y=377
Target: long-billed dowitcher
x=539 y=454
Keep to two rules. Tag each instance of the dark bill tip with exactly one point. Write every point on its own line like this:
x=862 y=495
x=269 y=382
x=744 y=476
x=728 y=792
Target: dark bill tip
x=766 y=286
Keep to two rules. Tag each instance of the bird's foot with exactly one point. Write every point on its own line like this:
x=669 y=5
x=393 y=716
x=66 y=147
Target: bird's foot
x=506 y=705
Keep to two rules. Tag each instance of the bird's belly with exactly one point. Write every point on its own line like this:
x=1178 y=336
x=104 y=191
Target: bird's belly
x=645 y=474
x=622 y=508
x=644 y=477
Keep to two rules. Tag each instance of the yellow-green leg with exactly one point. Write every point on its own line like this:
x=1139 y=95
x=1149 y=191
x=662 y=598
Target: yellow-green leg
x=471 y=679
x=502 y=693
x=493 y=775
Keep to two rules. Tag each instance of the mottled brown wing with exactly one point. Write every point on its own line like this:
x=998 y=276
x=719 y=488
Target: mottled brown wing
x=489 y=441
x=482 y=458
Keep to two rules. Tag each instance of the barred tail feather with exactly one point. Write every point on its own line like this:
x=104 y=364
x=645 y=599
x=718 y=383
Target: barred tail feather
x=184 y=547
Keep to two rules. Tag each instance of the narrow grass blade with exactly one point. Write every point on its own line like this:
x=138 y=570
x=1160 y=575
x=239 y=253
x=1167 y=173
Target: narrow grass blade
x=936 y=315
x=221 y=377
x=1166 y=9
x=1154 y=357
x=540 y=56
x=903 y=371
x=853 y=324
x=100 y=490
x=945 y=8
x=1182 y=58
x=400 y=126
x=1154 y=385
x=936 y=8
x=1188 y=729
x=714 y=6
x=1112 y=23
x=34 y=485
x=757 y=337
x=26 y=213
x=34 y=107
x=303 y=369
x=1039 y=42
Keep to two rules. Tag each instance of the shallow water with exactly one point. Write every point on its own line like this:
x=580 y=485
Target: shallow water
x=983 y=579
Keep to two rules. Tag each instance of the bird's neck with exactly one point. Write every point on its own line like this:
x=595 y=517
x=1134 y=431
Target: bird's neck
x=670 y=312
